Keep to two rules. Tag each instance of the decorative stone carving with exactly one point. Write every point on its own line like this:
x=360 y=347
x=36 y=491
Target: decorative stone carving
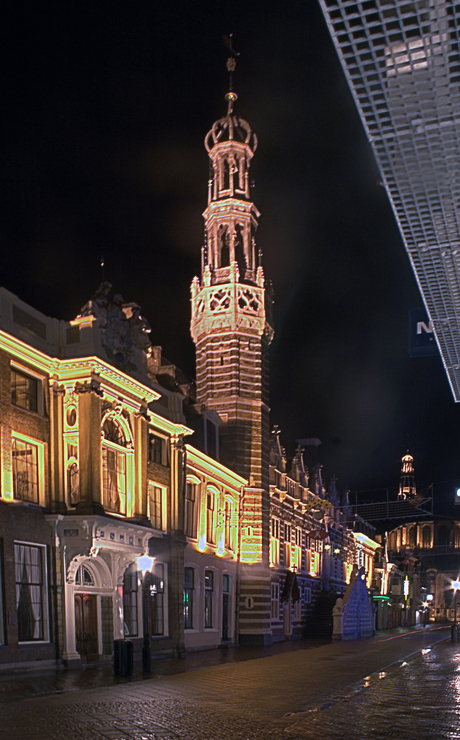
x=123 y=329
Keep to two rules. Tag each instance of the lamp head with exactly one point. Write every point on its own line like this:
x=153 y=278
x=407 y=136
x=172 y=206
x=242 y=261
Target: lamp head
x=144 y=563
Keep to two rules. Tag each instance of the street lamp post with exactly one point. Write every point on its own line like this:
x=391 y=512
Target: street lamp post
x=455 y=586
x=145 y=564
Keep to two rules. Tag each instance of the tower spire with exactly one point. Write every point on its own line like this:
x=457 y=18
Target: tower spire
x=231 y=311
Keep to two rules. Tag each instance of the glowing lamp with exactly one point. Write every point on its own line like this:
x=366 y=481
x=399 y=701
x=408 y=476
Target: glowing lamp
x=327 y=546
x=144 y=563
x=457 y=496
x=455 y=585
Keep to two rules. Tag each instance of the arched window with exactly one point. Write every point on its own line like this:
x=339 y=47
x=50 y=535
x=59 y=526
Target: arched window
x=426 y=536
x=113 y=431
x=224 y=246
x=210 y=516
x=411 y=536
x=84 y=577
x=114 y=464
x=443 y=537
x=191 y=507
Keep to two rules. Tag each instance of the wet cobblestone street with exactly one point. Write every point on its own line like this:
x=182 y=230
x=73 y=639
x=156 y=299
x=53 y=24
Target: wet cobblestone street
x=412 y=691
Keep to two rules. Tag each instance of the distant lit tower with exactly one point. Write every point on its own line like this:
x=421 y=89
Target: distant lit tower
x=407 y=487
x=232 y=330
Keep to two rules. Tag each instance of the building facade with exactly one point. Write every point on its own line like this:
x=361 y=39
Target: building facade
x=108 y=452
x=401 y=59
x=96 y=472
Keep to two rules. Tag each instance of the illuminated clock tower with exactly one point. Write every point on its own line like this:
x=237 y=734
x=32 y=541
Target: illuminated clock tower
x=232 y=329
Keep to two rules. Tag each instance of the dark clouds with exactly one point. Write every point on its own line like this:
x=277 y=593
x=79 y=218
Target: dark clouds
x=106 y=110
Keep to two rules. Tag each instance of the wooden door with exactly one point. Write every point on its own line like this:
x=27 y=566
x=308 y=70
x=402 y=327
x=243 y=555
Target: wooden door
x=86 y=626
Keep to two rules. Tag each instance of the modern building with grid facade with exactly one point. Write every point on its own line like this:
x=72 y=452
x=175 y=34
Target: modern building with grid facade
x=402 y=63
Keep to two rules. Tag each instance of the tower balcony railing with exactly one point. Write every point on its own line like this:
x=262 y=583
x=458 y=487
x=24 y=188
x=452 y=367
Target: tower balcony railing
x=234 y=306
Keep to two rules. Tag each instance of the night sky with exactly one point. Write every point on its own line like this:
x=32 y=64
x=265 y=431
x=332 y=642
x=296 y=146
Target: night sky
x=106 y=107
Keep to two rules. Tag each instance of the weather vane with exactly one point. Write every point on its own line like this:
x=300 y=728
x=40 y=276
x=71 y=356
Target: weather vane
x=231 y=61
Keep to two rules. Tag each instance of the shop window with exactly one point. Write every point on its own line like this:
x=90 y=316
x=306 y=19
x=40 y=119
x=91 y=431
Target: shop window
x=24 y=390
x=189 y=589
x=29 y=563
x=157 y=593
x=208 y=599
x=130 y=601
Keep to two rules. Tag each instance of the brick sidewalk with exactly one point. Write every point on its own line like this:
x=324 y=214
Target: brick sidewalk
x=317 y=693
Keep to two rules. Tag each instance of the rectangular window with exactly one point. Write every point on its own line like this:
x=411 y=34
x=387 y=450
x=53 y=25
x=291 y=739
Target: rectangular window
x=130 y=591
x=210 y=518
x=25 y=471
x=157 y=450
x=275 y=542
x=208 y=598
x=211 y=437
x=229 y=527
x=287 y=545
x=24 y=390
x=156 y=506
x=275 y=602
x=2 y=622
x=190 y=509
x=114 y=479
x=30 y=591
x=157 y=590
x=189 y=587
x=298 y=548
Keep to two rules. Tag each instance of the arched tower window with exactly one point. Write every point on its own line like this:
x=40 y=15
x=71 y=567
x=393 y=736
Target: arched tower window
x=426 y=536
x=224 y=246
x=240 y=256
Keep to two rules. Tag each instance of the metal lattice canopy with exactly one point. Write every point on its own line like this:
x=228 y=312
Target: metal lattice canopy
x=402 y=63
